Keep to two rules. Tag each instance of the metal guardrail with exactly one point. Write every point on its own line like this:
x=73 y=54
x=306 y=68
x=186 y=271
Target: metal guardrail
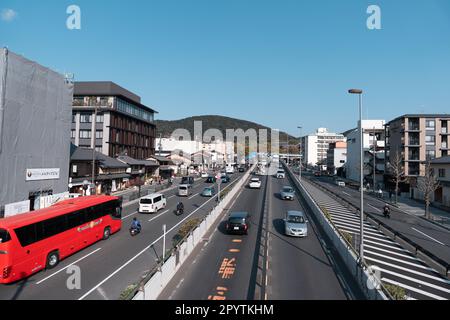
x=417 y=249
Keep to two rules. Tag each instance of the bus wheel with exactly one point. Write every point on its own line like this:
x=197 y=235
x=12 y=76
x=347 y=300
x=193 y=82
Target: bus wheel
x=52 y=259
x=106 y=233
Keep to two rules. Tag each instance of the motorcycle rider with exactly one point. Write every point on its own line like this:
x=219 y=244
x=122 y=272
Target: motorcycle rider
x=136 y=224
x=387 y=211
x=180 y=207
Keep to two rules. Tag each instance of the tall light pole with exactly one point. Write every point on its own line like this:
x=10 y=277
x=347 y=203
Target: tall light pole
x=300 y=151
x=361 y=172
x=374 y=141
x=94 y=136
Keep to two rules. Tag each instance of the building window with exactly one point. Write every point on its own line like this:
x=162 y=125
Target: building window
x=430 y=124
x=99 y=149
x=74 y=117
x=441 y=173
x=430 y=140
x=430 y=154
x=99 y=134
x=85 y=118
x=85 y=134
x=100 y=118
x=73 y=134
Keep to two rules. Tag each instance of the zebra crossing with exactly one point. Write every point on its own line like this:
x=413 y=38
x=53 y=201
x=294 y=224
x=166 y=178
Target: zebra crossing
x=397 y=266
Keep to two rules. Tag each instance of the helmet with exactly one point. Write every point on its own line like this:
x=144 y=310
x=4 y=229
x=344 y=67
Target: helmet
x=134 y=219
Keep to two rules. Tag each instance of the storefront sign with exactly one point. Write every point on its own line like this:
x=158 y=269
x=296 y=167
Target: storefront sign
x=42 y=174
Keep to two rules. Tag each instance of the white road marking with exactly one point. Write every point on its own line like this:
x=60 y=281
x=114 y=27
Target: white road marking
x=141 y=252
x=413 y=289
x=102 y=293
x=171 y=196
x=374 y=208
x=394 y=253
x=346 y=193
x=401 y=261
x=159 y=215
x=193 y=196
x=428 y=236
x=415 y=272
x=129 y=215
x=53 y=274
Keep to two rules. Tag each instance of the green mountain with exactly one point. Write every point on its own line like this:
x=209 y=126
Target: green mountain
x=165 y=127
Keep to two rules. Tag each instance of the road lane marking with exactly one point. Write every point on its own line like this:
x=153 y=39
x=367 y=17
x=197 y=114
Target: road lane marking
x=193 y=196
x=171 y=197
x=53 y=274
x=141 y=252
x=413 y=289
x=346 y=193
x=129 y=215
x=159 y=215
x=428 y=236
x=374 y=208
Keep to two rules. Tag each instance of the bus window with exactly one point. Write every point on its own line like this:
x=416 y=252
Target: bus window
x=4 y=236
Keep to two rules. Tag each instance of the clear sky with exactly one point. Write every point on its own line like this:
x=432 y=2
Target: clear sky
x=281 y=63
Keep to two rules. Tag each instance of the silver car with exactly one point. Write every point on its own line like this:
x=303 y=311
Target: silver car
x=295 y=224
x=287 y=193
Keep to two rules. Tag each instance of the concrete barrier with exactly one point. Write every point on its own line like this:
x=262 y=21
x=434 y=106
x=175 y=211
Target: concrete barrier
x=367 y=282
x=156 y=284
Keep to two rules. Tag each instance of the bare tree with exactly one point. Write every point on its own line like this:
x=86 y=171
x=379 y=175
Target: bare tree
x=397 y=171
x=428 y=184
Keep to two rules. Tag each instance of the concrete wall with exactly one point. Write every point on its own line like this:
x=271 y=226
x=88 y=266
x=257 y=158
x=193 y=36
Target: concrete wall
x=36 y=108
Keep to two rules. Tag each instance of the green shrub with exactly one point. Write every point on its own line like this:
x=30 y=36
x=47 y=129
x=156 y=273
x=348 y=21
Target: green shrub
x=185 y=229
x=125 y=295
x=326 y=212
x=347 y=236
x=397 y=293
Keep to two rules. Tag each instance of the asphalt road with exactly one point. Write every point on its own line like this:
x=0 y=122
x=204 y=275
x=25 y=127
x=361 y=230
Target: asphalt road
x=108 y=267
x=430 y=236
x=298 y=268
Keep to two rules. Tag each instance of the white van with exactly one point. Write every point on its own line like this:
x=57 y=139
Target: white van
x=229 y=169
x=184 y=190
x=152 y=203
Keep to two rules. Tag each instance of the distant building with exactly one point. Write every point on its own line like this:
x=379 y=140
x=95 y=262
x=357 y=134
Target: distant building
x=35 y=111
x=315 y=147
x=441 y=197
x=123 y=125
x=166 y=167
x=336 y=157
x=416 y=138
x=374 y=141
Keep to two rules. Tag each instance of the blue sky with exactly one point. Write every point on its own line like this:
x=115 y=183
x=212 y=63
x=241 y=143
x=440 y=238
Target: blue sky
x=281 y=63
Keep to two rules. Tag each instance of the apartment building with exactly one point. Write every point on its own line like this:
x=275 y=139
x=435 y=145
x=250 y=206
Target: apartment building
x=122 y=125
x=373 y=149
x=336 y=157
x=416 y=138
x=315 y=146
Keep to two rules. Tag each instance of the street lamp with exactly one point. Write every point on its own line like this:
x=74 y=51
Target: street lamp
x=300 y=160
x=361 y=180
x=94 y=138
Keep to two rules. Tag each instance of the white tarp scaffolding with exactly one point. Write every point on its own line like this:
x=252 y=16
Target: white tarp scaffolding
x=35 y=123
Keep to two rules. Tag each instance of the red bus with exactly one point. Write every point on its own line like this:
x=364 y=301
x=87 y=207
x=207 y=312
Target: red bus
x=39 y=240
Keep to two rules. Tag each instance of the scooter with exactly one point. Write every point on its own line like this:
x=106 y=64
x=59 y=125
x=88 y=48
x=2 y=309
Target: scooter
x=134 y=231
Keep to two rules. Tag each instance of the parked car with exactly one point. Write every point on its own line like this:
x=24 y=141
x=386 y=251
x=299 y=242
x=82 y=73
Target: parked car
x=340 y=183
x=280 y=174
x=317 y=174
x=211 y=179
x=209 y=192
x=287 y=193
x=295 y=224
x=255 y=183
x=238 y=222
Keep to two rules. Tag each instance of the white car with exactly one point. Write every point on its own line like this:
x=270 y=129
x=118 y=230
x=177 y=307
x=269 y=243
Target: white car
x=255 y=183
x=280 y=174
x=340 y=183
x=204 y=175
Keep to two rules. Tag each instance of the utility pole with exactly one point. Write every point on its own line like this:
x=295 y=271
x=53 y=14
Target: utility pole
x=94 y=132
x=300 y=160
x=374 y=159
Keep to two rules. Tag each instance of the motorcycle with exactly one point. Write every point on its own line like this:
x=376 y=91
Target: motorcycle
x=387 y=213
x=179 y=211
x=134 y=231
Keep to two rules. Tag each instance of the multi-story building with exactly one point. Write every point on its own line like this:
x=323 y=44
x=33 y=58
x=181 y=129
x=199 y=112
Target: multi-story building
x=374 y=152
x=314 y=147
x=35 y=109
x=122 y=125
x=416 y=138
x=336 y=157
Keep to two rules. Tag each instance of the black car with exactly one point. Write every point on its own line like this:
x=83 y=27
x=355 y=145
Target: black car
x=238 y=222
x=241 y=169
x=211 y=180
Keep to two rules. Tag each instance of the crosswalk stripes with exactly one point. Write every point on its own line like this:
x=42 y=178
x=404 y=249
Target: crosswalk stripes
x=397 y=265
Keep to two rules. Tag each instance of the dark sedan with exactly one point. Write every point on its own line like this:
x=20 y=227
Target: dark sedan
x=238 y=222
